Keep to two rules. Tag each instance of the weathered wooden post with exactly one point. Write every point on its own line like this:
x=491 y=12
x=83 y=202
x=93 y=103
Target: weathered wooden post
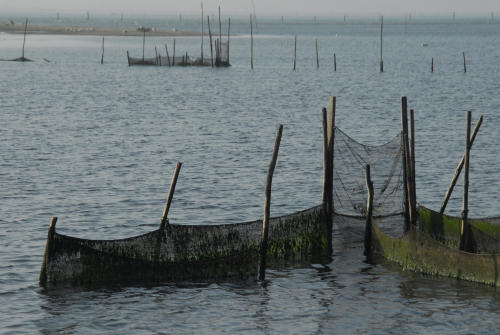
x=251 y=42
x=295 y=53
x=156 y=56
x=24 y=39
x=458 y=170
x=334 y=62
x=228 y=31
x=49 y=247
x=465 y=64
x=267 y=210
x=202 y=35
x=432 y=65
x=369 y=213
x=143 y=42
x=220 y=35
x=381 y=34
x=173 y=57
x=102 y=53
x=404 y=138
x=413 y=178
x=328 y=158
x=168 y=56
x=128 y=58
x=164 y=220
x=210 y=37
x=465 y=231
x=317 y=56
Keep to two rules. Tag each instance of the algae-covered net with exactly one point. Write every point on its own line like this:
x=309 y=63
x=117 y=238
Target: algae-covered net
x=349 y=186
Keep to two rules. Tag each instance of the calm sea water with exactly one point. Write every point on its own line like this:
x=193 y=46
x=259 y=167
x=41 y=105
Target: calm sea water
x=96 y=145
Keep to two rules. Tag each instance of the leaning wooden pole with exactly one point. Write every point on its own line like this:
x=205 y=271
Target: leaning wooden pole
x=331 y=142
x=334 y=62
x=251 y=42
x=24 y=38
x=49 y=247
x=458 y=170
x=381 y=34
x=170 y=194
x=102 y=53
x=168 y=56
x=267 y=210
x=228 y=33
x=220 y=35
x=143 y=43
x=432 y=65
x=404 y=137
x=295 y=53
x=173 y=57
x=317 y=55
x=369 y=214
x=202 y=35
x=211 y=45
x=412 y=161
x=465 y=233
x=465 y=64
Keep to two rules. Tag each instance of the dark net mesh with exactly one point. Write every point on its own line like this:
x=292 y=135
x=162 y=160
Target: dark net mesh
x=349 y=186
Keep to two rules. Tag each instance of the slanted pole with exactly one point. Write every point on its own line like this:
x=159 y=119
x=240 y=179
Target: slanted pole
x=128 y=58
x=24 y=38
x=458 y=170
x=465 y=64
x=202 y=33
x=369 y=213
x=412 y=161
x=334 y=62
x=267 y=210
x=164 y=220
x=251 y=42
x=381 y=34
x=404 y=138
x=102 y=53
x=465 y=231
x=317 y=56
x=211 y=46
x=49 y=247
x=168 y=56
x=295 y=53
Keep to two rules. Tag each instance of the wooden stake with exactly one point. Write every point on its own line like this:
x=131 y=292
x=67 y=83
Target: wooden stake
x=334 y=62
x=220 y=36
x=295 y=53
x=331 y=141
x=432 y=65
x=128 y=58
x=202 y=33
x=458 y=170
x=369 y=213
x=267 y=211
x=404 y=137
x=211 y=46
x=143 y=43
x=381 y=34
x=164 y=220
x=156 y=56
x=465 y=65
x=412 y=161
x=465 y=233
x=173 y=57
x=168 y=56
x=102 y=54
x=228 y=31
x=317 y=56
x=251 y=42
x=24 y=38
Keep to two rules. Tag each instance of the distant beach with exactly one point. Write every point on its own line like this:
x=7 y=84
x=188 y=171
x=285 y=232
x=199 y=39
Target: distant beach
x=92 y=31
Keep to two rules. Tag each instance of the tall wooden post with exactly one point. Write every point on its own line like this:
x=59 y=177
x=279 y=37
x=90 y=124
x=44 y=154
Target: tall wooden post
x=173 y=57
x=24 y=38
x=412 y=161
x=369 y=213
x=432 y=65
x=170 y=194
x=317 y=56
x=334 y=62
x=295 y=53
x=210 y=37
x=465 y=64
x=458 y=170
x=251 y=42
x=404 y=138
x=168 y=56
x=143 y=43
x=228 y=32
x=465 y=233
x=267 y=206
x=128 y=58
x=381 y=34
x=220 y=35
x=202 y=35
x=331 y=142
x=102 y=53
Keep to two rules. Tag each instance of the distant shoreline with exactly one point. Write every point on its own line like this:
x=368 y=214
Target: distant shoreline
x=88 y=31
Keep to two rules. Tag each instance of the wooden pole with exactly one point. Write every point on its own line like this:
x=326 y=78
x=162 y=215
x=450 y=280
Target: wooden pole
x=317 y=56
x=465 y=64
x=164 y=220
x=381 y=34
x=220 y=36
x=331 y=141
x=326 y=154
x=49 y=247
x=412 y=161
x=202 y=33
x=334 y=62
x=404 y=137
x=211 y=46
x=465 y=238
x=128 y=58
x=173 y=57
x=24 y=38
x=295 y=53
x=156 y=56
x=102 y=53
x=267 y=211
x=143 y=43
x=228 y=32
x=168 y=56
x=432 y=65
x=251 y=42
x=458 y=170
x=369 y=213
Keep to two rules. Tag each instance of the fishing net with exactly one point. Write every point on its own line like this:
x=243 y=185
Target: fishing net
x=349 y=181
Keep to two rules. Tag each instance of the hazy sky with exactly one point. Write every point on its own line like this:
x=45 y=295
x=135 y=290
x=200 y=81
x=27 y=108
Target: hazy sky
x=263 y=7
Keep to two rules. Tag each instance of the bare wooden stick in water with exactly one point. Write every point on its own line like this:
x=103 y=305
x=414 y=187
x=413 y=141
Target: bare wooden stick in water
x=170 y=194
x=251 y=42
x=369 y=213
x=465 y=233
x=267 y=210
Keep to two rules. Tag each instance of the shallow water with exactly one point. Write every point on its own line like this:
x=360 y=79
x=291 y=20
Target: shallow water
x=96 y=145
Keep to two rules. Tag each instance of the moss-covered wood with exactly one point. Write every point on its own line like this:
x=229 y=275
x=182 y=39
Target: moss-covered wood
x=183 y=252
x=446 y=229
x=417 y=251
